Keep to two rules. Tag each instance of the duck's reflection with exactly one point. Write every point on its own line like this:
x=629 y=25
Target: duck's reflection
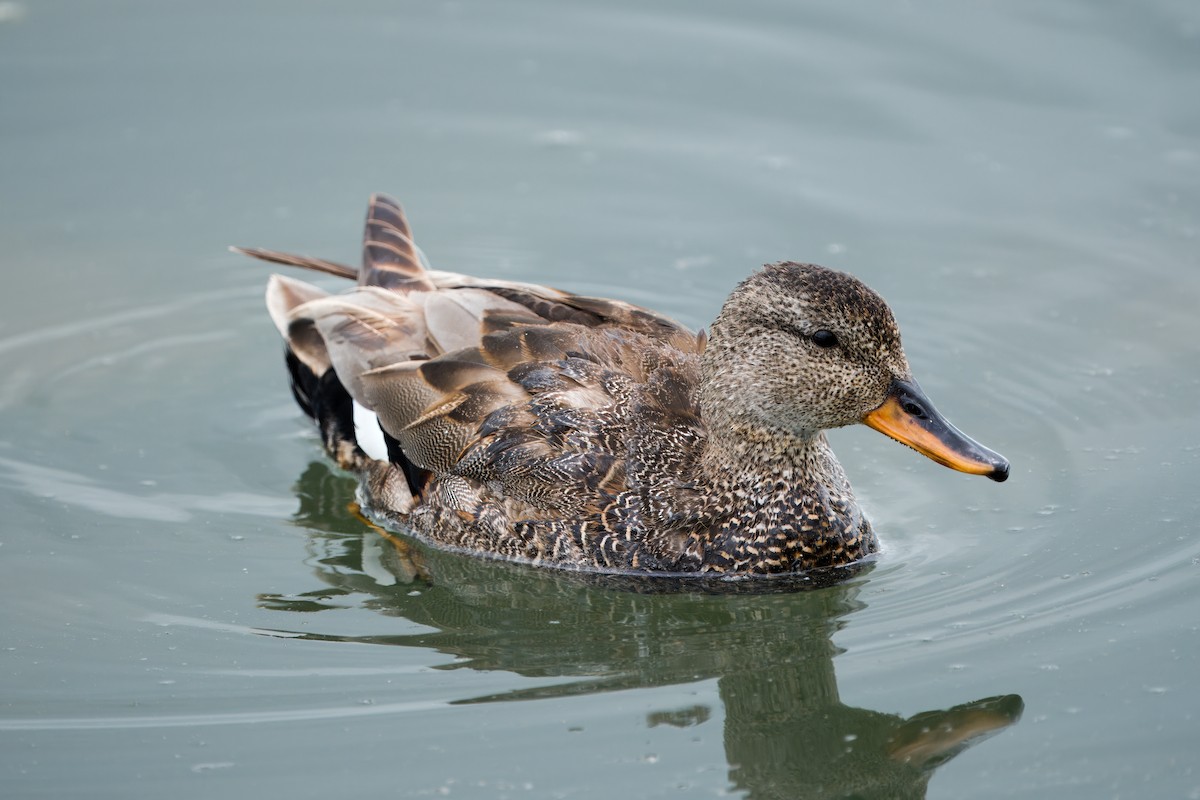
x=787 y=734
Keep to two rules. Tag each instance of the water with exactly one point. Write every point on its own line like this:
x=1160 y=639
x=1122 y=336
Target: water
x=191 y=605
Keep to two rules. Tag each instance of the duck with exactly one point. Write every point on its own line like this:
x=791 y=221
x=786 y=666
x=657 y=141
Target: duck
x=517 y=421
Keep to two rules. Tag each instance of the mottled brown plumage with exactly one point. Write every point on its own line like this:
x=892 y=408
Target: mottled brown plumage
x=529 y=423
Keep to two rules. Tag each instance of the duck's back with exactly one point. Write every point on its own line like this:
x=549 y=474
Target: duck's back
x=577 y=455
x=519 y=420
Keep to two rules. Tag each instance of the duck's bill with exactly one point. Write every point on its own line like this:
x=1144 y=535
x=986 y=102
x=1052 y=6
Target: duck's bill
x=910 y=418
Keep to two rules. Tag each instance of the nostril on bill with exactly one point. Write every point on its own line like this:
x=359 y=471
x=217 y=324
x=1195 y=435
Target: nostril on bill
x=913 y=409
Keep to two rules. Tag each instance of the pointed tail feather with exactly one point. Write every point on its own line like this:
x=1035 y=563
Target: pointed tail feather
x=390 y=257
x=317 y=264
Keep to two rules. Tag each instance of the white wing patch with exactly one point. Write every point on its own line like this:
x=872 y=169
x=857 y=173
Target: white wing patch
x=368 y=433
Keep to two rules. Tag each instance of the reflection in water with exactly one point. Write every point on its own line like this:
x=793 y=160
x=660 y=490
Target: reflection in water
x=786 y=734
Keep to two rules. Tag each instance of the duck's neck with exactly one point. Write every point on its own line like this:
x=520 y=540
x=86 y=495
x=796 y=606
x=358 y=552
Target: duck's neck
x=785 y=503
x=745 y=455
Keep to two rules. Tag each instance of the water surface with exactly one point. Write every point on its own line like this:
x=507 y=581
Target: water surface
x=193 y=607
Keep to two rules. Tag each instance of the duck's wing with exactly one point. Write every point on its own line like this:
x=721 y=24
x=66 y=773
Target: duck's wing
x=554 y=305
x=461 y=310
x=488 y=375
x=370 y=327
x=545 y=415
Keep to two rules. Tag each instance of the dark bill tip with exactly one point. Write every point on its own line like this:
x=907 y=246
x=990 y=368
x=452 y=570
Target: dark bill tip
x=909 y=417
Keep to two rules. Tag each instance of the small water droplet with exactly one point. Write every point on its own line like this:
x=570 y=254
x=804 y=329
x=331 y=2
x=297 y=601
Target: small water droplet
x=691 y=262
x=558 y=137
x=210 y=766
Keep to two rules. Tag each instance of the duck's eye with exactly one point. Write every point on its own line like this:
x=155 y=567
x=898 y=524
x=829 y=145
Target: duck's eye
x=824 y=339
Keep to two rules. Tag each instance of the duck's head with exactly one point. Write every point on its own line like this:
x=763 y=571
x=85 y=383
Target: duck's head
x=798 y=348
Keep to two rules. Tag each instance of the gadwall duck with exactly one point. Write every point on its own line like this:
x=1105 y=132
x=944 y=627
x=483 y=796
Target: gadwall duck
x=527 y=423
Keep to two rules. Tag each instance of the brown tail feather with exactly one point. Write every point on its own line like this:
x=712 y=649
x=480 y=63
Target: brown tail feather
x=390 y=257
x=317 y=264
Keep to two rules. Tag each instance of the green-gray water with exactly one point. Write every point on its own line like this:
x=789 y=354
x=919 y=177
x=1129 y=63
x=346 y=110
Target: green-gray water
x=191 y=607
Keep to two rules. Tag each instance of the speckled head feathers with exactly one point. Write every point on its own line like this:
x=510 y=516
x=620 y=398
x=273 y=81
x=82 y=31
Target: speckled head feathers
x=802 y=348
